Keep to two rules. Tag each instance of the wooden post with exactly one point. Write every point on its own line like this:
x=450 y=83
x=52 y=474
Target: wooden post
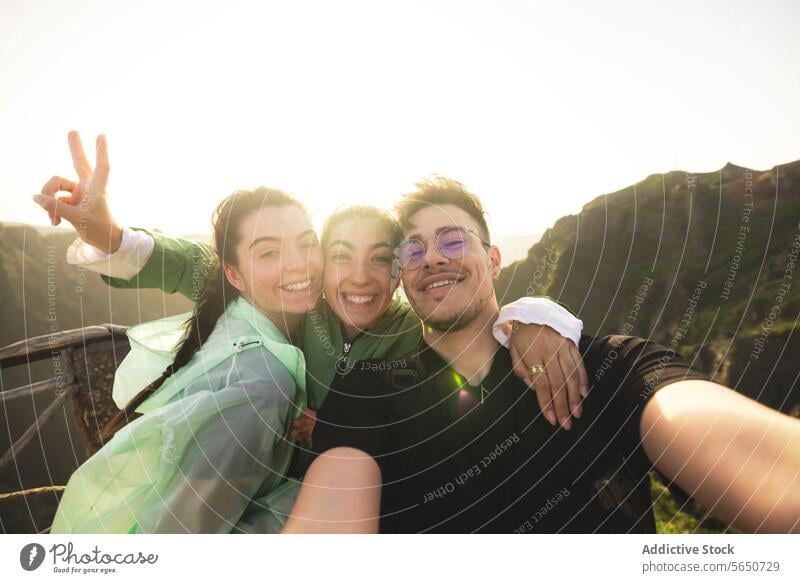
x=36 y=388
x=34 y=428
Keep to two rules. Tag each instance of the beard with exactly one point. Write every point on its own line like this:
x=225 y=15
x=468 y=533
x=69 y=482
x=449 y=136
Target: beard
x=457 y=321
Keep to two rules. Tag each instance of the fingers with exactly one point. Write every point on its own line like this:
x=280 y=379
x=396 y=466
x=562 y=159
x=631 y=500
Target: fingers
x=558 y=387
x=55 y=185
x=300 y=424
x=545 y=398
x=302 y=430
x=58 y=208
x=101 y=163
x=79 y=160
x=573 y=385
x=305 y=423
x=538 y=382
x=541 y=386
x=58 y=184
x=518 y=365
x=581 y=368
x=558 y=390
x=300 y=434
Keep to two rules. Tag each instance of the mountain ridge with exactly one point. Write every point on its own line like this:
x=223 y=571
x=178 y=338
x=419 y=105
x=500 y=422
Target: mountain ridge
x=730 y=231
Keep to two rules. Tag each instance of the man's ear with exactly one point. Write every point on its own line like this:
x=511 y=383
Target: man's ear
x=494 y=261
x=234 y=277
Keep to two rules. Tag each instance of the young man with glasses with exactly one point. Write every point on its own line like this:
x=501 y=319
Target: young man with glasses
x=453 y=442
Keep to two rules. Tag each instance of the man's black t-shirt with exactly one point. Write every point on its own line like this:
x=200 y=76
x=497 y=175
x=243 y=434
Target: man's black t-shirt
x=456 y=458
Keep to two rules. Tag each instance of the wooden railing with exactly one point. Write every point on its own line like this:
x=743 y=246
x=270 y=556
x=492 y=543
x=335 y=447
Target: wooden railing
x=86 y=360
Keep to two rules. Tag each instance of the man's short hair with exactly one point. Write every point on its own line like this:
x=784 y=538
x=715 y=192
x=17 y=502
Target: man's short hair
x=438 y=190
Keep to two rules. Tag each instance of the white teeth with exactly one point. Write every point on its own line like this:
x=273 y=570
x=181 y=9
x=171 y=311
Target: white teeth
x=358 y=299
x=441 y=283
x=299 y=286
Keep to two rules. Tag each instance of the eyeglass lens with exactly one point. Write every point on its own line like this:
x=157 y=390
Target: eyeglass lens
x=451 y=243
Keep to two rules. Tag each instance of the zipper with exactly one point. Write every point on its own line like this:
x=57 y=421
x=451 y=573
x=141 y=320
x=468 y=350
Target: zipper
x=343 y=362
x=241 y=345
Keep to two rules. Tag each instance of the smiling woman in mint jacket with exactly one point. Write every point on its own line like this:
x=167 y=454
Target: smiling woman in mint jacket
x=217 y=392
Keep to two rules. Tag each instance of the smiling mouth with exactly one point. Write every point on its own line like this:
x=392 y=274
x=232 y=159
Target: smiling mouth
x=298 y=286
x=358 y=299
x=442 y=283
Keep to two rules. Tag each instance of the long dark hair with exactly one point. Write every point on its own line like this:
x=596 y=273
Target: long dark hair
x=217 y=293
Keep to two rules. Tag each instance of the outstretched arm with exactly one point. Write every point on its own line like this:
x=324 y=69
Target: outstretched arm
x=737 y=457
x=341 y=493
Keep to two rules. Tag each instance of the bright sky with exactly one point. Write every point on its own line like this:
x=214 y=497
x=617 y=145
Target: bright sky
x=536 y=106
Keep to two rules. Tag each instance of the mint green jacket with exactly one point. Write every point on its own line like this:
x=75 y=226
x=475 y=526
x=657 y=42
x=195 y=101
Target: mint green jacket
x=211 y=450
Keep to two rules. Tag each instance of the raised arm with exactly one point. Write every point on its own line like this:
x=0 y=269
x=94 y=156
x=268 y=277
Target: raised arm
x=125 y=258
x=738 y=458
x=86 y=206
x=174 y=265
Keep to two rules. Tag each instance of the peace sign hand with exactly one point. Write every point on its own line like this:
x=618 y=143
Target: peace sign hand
x=86 y=207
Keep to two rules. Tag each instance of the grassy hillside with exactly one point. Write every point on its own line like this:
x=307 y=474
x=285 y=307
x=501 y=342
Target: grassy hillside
x=42 y=293
x=707 y=263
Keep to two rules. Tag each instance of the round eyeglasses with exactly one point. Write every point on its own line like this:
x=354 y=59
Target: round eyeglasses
x=452 y=242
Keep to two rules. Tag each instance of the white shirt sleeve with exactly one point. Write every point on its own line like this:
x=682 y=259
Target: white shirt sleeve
x=134 y=251
x=542 y=311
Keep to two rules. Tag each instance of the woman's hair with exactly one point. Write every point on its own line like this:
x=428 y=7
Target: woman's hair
x=362 y=212
x=216 y=294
